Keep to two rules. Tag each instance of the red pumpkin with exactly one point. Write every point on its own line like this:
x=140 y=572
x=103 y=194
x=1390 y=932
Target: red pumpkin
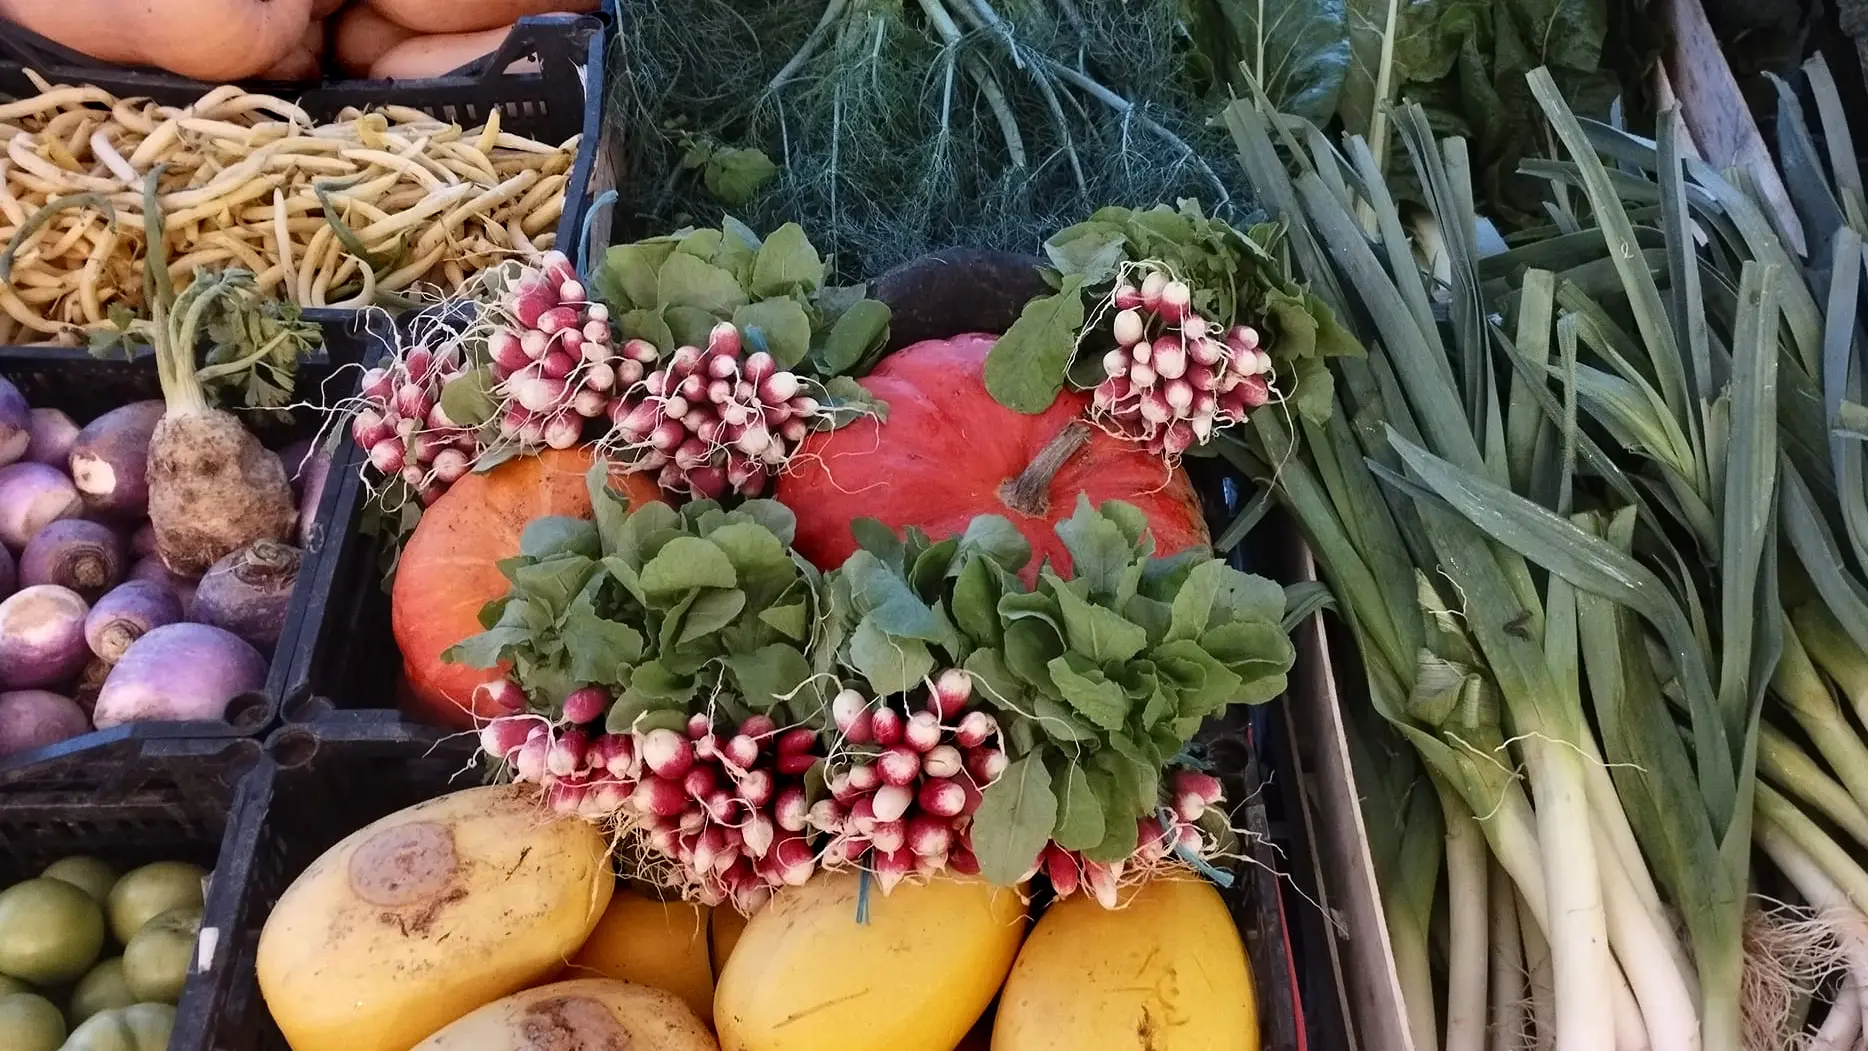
x=949 y=452
x=450 y=569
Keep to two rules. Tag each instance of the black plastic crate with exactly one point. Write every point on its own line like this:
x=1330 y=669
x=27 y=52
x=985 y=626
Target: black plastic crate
x=316 y=785
x=86 y=387
x=563 y=98
x=323 y=780
x=151 y=800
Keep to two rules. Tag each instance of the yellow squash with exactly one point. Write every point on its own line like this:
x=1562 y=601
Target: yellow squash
x=662 y=945
x=590 y=1014
x=428 y=914
x=806 y=976
x=1165 y=971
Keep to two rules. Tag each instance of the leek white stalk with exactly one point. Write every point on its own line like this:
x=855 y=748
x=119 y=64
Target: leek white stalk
x=1578 y=931
x=1467 y=877
x=1507 y=987
x=1542 y=981
x=1647 y=956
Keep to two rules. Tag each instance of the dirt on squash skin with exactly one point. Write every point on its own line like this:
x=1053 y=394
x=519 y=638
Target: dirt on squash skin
x=571 y=1023
x=409 y=871
x=213 y=489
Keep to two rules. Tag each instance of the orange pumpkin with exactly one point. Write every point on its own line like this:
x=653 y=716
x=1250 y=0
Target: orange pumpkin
x=216 y=40
x=949 y=452
x=449 y=570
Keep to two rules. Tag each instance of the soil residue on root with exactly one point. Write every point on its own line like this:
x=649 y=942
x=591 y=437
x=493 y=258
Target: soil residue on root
x=571 y=1023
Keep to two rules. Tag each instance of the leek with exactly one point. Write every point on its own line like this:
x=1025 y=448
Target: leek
x=1593 y=511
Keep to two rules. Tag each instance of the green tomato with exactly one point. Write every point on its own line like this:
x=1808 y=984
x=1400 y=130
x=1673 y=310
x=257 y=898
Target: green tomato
x=50 y=932
x=30 y=1023
x=9 y=986
x=142 y=1027
x=155 y=963
x=89 y=875
x=145 y=893
x=101 y=990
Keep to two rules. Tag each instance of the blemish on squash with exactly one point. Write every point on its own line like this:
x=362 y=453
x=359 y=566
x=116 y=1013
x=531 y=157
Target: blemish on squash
x=405 y=864
x=571 y=1023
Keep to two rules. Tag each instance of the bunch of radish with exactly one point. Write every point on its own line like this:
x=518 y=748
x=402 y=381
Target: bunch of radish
x=555 y=359
x=903 y=802
x=1169 y=839
x=722 y=813
x=712 y=420
x=1174 y=377
x=402 y=426
x=583 y=771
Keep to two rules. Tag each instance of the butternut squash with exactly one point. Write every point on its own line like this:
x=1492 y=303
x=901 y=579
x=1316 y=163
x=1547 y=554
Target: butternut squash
x=427 y=915
x=660 y=944
x=1164 y=971
x=362 y=36
x=914 y=977
x=304 y=62
x=321 y=9
x=467 y=16
x=594 y=1014
x=434 y=55
x=215 y=40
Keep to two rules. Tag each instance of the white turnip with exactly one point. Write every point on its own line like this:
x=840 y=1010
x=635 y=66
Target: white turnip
x=42 y=637
x=110 y=458
x=53 y=434
x=249 y=591
x=126 y=613
x=32 y=719
x=32 y=496
x=179 y=672
x=15 y=423
x=87 y=557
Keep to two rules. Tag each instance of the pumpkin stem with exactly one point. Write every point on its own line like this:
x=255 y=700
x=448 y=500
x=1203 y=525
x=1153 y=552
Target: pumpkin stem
x=1030 y=492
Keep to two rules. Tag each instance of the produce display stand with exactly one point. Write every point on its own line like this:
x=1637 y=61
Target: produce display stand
x=563 y=98
x=85 y=387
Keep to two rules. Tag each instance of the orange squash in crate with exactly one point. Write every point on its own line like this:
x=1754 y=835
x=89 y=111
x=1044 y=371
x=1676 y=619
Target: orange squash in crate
x=450 y=569
x=949 y=452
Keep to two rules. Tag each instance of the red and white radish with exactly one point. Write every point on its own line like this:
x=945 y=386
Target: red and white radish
x=1173 y=378
x=126 y=613
x=42 y=637
x=87 y=557
x=903 y=796
x=179 y=672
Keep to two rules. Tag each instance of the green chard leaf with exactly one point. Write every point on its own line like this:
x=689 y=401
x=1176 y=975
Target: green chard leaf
x=1096 y=632
x=1079 y=811
x=787 y=265
x=891 y=663
x=1089 y=691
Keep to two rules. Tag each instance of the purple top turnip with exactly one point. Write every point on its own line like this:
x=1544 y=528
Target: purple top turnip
x=53 y=434
x=129 y=611
x=249 y=591
x=110 y=458
x=179 y=672
x=86 y=557
x=42 y=637
x=307 y=466
x=143 y=541
x=35 y=718
x=152 y=570
x=32 y=496
x=15 y=423
x=91 y=683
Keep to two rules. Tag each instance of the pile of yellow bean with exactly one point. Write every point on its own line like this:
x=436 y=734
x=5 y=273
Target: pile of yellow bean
x=239 y=185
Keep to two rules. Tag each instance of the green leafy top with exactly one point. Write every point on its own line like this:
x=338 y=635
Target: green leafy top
x=1235 y=277
x=672 y=290
x=1099 y=681
x=672 y=610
